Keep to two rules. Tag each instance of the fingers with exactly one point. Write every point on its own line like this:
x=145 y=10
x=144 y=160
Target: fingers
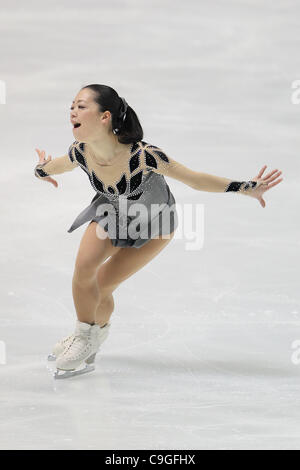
x=271 y=185
x=277 y=173
x=261 y=171
x=41 y=154
x=271 y=174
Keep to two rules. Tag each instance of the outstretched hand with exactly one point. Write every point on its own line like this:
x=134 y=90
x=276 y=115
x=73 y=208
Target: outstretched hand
x=264 y=184
x=41 y=154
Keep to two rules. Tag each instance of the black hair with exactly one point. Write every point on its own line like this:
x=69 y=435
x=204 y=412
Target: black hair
x=129 y=130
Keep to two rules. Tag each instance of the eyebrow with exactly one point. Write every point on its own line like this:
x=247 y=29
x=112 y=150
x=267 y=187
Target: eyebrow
x=78 y=101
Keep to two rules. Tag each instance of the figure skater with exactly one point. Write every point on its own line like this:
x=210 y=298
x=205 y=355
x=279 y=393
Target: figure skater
x=122 y=168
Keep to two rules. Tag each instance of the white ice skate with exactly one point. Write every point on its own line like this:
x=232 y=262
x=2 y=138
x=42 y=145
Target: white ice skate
x=60 y=347
x=79 y=356
x=65 y=342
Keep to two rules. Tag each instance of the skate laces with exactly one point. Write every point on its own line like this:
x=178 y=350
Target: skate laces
x=81 y=342
x=67 y=339
x=79 y=345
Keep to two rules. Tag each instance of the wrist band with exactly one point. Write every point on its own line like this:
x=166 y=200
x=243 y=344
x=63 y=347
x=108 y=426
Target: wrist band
x=239 y=185
x=39 y=172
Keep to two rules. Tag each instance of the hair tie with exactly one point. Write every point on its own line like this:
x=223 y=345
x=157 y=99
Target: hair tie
x=124 y=111
x=122 y=115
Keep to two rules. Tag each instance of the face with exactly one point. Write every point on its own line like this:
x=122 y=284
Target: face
x=85 y=111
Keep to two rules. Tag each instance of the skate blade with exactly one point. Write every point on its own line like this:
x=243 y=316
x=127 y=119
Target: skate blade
x=51 y=358
x=65 y=374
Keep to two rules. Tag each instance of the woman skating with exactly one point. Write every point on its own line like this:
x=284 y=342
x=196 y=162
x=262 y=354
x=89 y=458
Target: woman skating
x=126 y=173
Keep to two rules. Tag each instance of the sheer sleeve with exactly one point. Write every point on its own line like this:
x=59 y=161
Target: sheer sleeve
x=57 y=165
x=157 y=161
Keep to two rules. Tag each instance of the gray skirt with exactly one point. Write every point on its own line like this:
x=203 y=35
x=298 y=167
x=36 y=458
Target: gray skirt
x=158 y=215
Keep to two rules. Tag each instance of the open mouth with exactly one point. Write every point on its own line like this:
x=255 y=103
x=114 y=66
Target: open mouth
x=77 y=125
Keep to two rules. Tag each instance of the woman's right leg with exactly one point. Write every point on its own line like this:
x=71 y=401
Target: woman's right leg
x=92 y=253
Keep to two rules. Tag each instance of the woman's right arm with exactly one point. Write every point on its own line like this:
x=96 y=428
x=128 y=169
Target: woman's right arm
x=48 y=167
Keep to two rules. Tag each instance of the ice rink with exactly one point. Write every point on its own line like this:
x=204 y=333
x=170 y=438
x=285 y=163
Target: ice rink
x=203 y=348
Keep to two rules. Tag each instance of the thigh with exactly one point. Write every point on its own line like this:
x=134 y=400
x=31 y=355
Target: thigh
x=95 y=247
x=128 y=261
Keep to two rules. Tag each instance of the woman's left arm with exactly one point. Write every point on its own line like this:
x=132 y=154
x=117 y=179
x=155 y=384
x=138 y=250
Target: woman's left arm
x=157 y=161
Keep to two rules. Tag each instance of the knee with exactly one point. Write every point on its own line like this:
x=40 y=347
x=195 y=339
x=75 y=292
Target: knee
x=105 y=285
x=84 y=272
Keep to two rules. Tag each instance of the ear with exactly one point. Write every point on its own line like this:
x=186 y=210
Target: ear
x=106 y=115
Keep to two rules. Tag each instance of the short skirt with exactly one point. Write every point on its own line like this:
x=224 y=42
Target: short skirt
x=158 y=215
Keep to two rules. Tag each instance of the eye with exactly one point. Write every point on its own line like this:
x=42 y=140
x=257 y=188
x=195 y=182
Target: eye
x=79 y=107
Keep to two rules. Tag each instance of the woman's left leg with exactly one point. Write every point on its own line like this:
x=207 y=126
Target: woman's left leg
x=121 y=266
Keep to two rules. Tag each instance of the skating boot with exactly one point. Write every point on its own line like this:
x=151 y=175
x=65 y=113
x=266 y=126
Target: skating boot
x=61 y=345
x=79 y=356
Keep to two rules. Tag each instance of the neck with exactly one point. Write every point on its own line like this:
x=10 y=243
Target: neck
x=106 y=149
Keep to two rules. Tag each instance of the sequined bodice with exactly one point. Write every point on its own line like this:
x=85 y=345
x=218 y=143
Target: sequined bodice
x=124 y=178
